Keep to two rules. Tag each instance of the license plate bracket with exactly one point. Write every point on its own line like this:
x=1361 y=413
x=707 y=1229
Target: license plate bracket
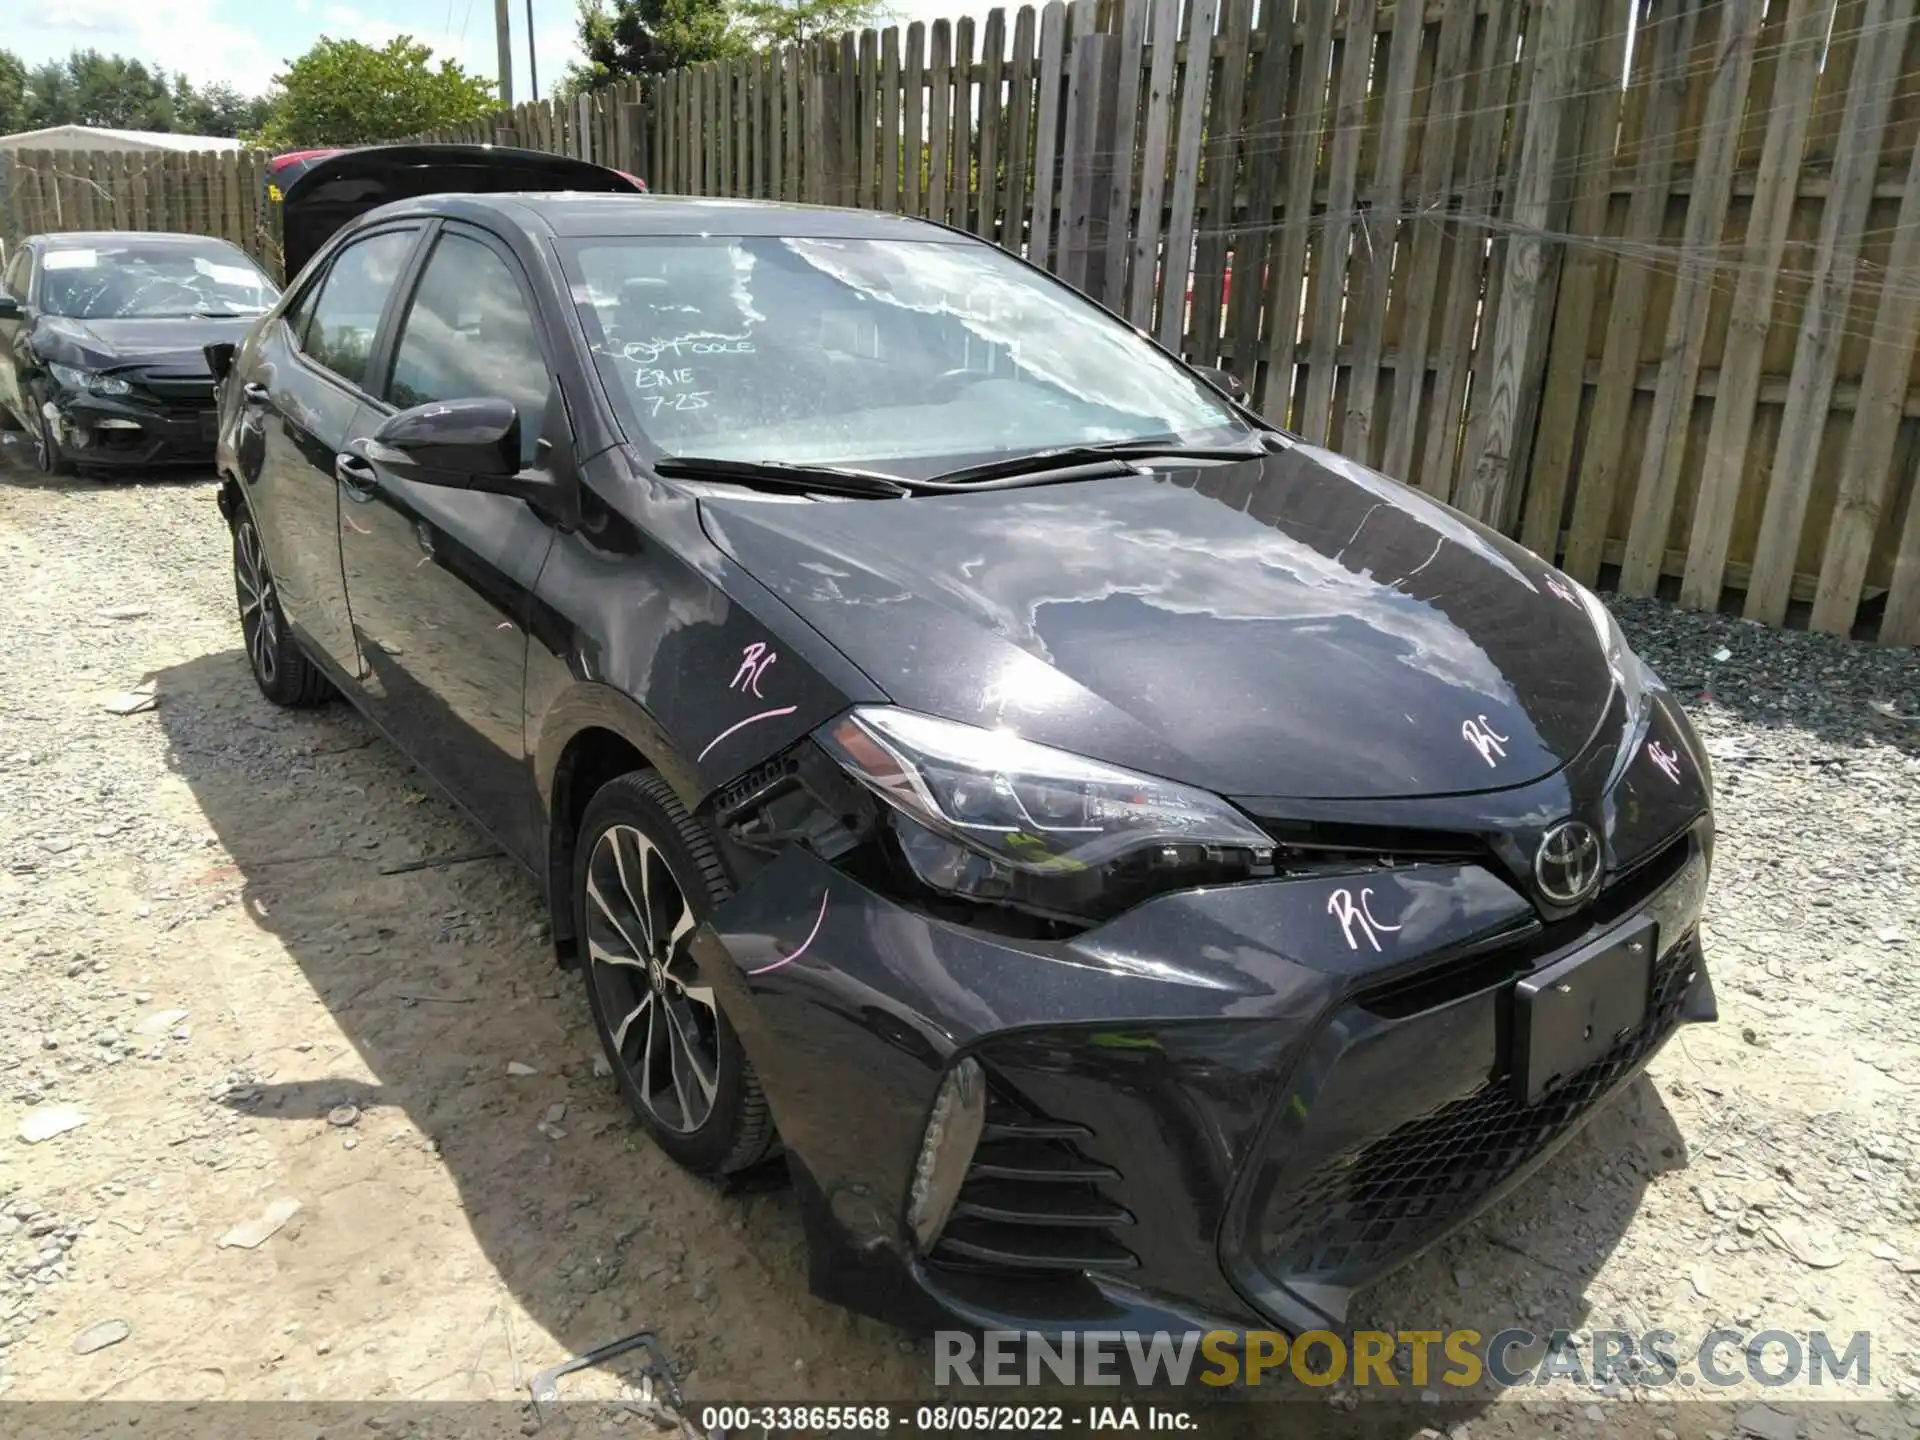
x=1575 y=1010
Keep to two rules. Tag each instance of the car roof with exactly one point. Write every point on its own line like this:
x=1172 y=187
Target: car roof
x=108 y=239
x=569 y=214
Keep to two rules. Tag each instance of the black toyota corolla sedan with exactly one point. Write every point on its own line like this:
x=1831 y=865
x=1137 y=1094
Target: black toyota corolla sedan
x=1136 y=868
x=103 y=343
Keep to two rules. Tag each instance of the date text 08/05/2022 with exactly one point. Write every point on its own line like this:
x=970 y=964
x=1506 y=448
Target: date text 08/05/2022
x=942 y=1419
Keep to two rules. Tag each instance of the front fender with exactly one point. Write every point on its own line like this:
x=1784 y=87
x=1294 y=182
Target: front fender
x=588 y=705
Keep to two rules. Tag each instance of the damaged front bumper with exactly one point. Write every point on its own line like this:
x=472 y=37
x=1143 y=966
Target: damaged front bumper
x=91 y=429
x=1214 y=1110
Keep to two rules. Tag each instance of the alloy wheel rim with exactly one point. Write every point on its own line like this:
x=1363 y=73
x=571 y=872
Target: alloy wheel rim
x=259 y=617
x=663 y=1027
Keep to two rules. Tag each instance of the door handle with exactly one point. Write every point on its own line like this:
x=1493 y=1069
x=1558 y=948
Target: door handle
x=254 y=392
x=356 y=474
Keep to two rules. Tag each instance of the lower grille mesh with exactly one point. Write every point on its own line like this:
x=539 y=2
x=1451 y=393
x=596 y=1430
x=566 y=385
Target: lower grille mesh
x=1373 y=1205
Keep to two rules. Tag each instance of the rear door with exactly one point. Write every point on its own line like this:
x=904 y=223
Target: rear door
x=310 y=389
x=439 y=579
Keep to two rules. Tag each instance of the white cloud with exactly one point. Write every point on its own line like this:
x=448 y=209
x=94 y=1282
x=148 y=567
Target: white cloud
x=181 y=36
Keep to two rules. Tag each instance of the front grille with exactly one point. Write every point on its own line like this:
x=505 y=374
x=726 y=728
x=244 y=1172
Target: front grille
x=1372 y=1206
x=1305 y=847
x=1033 y=1202
x=179 y=395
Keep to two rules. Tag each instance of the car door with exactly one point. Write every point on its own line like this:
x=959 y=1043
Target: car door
x=310 y=388
x=13 y=330
x=438 y=579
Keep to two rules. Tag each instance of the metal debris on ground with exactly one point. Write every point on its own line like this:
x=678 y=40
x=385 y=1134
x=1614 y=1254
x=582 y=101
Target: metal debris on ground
x=545 y=1385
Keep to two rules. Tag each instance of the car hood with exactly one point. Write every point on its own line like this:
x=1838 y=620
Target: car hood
x=173 y=342
x=1295 y=625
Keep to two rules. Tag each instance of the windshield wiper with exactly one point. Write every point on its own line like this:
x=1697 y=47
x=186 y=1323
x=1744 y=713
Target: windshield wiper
x=778 y=475
x=1085 y=462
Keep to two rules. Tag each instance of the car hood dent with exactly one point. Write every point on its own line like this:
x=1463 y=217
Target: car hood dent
x=172 y=341
x=1296 y=625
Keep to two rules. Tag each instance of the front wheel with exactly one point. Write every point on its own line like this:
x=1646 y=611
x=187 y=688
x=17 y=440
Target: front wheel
x=285 y=675
x=47 y=458
x=644 y=875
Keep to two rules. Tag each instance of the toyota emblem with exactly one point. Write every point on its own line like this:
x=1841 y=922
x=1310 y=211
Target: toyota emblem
x=1567 y=865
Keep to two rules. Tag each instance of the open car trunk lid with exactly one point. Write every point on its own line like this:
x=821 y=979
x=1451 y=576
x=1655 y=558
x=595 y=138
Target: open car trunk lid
x=321 y=190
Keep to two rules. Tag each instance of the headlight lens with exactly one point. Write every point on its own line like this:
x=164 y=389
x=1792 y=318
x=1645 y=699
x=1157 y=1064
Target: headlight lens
x=1636 y=681
x=988 y=815
x=75 y=378
x=1638 y=684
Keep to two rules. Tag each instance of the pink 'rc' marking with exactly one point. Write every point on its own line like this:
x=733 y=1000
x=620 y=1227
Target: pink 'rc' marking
x=817 y=920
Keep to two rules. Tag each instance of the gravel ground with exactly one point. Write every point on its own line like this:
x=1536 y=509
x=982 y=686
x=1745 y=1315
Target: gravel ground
x=217 y=946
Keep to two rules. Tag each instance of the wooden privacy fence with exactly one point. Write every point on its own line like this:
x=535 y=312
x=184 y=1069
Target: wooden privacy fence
x=1637 y=281
x=201 y=192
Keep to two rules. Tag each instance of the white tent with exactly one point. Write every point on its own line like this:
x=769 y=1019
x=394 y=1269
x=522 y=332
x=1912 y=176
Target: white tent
x=87 y=137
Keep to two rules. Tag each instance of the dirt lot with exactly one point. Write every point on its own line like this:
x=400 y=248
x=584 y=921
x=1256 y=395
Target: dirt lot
x=217 y=944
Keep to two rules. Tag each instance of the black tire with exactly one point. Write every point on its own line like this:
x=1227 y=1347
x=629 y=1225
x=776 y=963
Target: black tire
x=628 y=815
x=47 y=458
x=282 y=671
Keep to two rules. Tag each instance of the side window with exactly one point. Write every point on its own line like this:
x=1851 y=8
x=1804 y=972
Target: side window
x=347 y=311
x=468 y=335
x=300 y=312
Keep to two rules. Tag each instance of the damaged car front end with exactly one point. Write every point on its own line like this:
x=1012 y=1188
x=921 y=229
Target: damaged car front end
x=1128 y=1053
x=105 y=362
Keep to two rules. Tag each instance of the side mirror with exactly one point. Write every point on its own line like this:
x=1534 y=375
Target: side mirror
x=1225 y=382
x=9 y=307
x=219 y=358
x=463 y=444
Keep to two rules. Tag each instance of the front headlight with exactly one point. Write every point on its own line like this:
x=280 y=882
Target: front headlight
x=990 y=816
x=91 y=381
x=1638 y=684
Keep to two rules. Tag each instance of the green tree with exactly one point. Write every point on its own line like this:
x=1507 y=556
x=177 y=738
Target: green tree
x=786 y=22
x=650 y=37
x=216 y=109
x=342 y=92
x=13 y=94
x=88 y=88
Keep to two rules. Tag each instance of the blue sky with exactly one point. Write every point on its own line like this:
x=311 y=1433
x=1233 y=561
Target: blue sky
x=245 y=42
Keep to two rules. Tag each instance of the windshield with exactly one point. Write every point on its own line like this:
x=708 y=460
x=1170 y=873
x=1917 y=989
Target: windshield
x=133 y=281
x=904 y=355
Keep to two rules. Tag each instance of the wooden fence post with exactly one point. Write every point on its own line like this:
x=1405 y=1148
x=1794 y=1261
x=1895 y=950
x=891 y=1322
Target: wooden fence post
x=1498 y=435
x=1085 y=168
x=633 y=155
x=1810 y=388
